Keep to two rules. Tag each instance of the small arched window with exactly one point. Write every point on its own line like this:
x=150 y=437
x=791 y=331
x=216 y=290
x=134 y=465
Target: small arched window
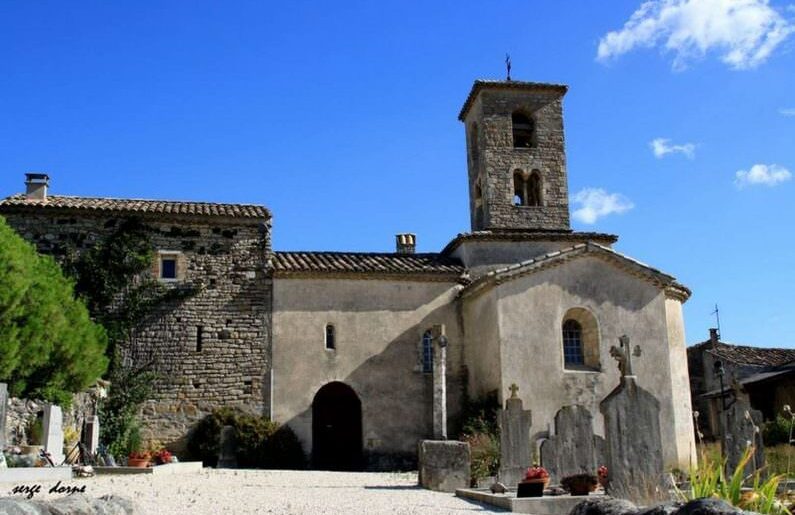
x=473 y=143
x=331 y=338
x=580 y=340
x=519 y=194
x=572 y=343
x=523 y=130
x=533 y=185
x=427 y=352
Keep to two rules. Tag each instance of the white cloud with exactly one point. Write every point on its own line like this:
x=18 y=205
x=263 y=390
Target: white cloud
x=789 y=111
x=767 y=175
x=663 y=146
x=595 y=203
x=743 y=32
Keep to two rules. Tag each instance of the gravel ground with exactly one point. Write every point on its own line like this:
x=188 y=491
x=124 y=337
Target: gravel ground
x=265 y=491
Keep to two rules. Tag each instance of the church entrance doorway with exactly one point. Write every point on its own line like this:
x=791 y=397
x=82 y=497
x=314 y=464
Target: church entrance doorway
x=336 y=428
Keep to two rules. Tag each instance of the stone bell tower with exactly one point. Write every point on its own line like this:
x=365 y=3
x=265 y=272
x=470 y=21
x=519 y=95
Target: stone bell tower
x=516 y=156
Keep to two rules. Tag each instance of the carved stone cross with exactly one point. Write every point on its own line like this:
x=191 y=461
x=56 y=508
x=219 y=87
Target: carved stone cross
x=623 y=355
x=513 y=388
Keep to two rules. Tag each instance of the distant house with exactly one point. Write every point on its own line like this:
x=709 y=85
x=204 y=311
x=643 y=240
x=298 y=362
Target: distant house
x=767 y=375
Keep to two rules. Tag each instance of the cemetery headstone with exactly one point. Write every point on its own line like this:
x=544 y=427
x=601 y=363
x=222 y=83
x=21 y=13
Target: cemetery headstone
x=3 y=403
x=53 y=432
x=515 y=455
x=633 y=442
x=743 y=425
x=572 y=449
x=228 y=455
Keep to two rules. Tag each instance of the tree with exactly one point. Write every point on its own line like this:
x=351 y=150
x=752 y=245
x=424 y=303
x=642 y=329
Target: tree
x=49 y=346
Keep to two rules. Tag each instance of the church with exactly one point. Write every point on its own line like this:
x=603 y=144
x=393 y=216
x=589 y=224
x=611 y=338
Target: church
x=340 y=346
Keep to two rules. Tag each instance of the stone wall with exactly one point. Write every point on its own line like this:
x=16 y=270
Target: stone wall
x=224 y=261
x=494 y=159
x=19 y=412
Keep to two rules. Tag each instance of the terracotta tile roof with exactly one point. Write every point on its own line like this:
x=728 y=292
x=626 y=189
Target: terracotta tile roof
x=505 y=84
x=166 y=207
x=753 y=356
x=286 y=263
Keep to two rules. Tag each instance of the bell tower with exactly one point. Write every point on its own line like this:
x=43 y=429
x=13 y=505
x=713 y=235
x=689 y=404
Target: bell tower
x=516 y=156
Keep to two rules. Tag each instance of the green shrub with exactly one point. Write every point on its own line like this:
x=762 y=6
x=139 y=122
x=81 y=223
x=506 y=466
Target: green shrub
x=776 y=431
x=480 y=428
x=260 y=443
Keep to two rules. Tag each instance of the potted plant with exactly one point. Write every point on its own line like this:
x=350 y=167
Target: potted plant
x=535 y=480
x=579 y=484
x=35 y=436
x=601 y=473
x=163 y=457
x=139 y=459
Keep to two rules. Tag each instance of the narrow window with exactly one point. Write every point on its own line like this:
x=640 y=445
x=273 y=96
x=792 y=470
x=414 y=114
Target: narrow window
x=331 y=344
x=199 y=337
x=534 y=189
x=168 y=267
x=427 y=352
x=572 y=343
x=522 y=130
x=518 y=189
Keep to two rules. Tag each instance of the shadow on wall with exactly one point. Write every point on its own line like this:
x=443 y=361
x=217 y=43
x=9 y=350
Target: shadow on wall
x=396 y=406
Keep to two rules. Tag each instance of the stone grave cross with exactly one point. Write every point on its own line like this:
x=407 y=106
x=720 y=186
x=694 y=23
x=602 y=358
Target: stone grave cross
x=515 y=455
x=439 y=382
x=623 y=355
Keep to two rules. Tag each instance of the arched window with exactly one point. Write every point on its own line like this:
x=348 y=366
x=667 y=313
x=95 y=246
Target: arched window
x=523 y=129
x=580 y=340
x=519 y=195
x=572 y=343
x=331 y=341
x=427 y=352
x=533 y=185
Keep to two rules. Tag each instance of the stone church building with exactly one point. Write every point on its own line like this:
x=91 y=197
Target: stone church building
x=338 y=345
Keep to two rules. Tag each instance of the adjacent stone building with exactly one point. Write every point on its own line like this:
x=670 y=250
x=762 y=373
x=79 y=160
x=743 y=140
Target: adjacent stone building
x=338 y=345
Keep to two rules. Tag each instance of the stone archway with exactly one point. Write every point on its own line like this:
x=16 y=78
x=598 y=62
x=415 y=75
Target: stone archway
x=336 y=428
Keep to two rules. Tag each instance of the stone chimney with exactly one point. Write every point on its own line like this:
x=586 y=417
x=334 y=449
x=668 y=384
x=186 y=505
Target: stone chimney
x=714 y=337
x=36 y=185
x=406 y=243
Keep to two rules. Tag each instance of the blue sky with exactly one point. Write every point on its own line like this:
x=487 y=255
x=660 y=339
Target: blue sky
x=342 y=120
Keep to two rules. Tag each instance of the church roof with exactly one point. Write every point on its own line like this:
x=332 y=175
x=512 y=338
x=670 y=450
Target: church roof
x=430 y=265
x=543 y=262
x=137 y=206
x=529 y=235
x=481 y=84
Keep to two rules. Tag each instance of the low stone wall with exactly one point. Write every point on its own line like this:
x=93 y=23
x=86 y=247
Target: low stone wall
x=20 y=411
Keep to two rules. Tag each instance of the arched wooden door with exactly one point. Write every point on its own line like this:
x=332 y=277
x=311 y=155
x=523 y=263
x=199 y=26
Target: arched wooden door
x=336 y=428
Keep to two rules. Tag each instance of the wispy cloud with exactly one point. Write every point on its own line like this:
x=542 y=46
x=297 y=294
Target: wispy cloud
x=759 y=174
x=663 y=146
x=744 y=32
x=787 y=111
x=595 y=203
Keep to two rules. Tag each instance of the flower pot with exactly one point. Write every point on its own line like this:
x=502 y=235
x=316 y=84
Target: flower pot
x=582 y=489
x=137 y=462
x=531 y=487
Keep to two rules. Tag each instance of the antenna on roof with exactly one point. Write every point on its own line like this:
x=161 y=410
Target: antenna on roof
x=717 y=317
x=508 y=65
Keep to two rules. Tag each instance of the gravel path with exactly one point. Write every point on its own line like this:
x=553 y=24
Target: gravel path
x=266 y=491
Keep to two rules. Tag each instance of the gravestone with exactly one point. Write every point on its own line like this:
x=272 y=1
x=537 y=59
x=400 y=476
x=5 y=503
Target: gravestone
x=515 y=455
x=743 y=423
x=53 y=432
x=90 y=437
x=572 y=449
x=228 y=453
x=3 y=403
x=443 y=466
x=633 y=442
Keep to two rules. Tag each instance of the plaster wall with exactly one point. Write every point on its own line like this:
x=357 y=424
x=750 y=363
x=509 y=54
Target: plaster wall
x=379 y=326
x=482 y=350
x=531 y=313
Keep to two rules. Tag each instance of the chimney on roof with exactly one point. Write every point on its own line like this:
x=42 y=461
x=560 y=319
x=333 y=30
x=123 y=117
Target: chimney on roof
x=714 y=337
x=36 y=185
x=406 y=243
